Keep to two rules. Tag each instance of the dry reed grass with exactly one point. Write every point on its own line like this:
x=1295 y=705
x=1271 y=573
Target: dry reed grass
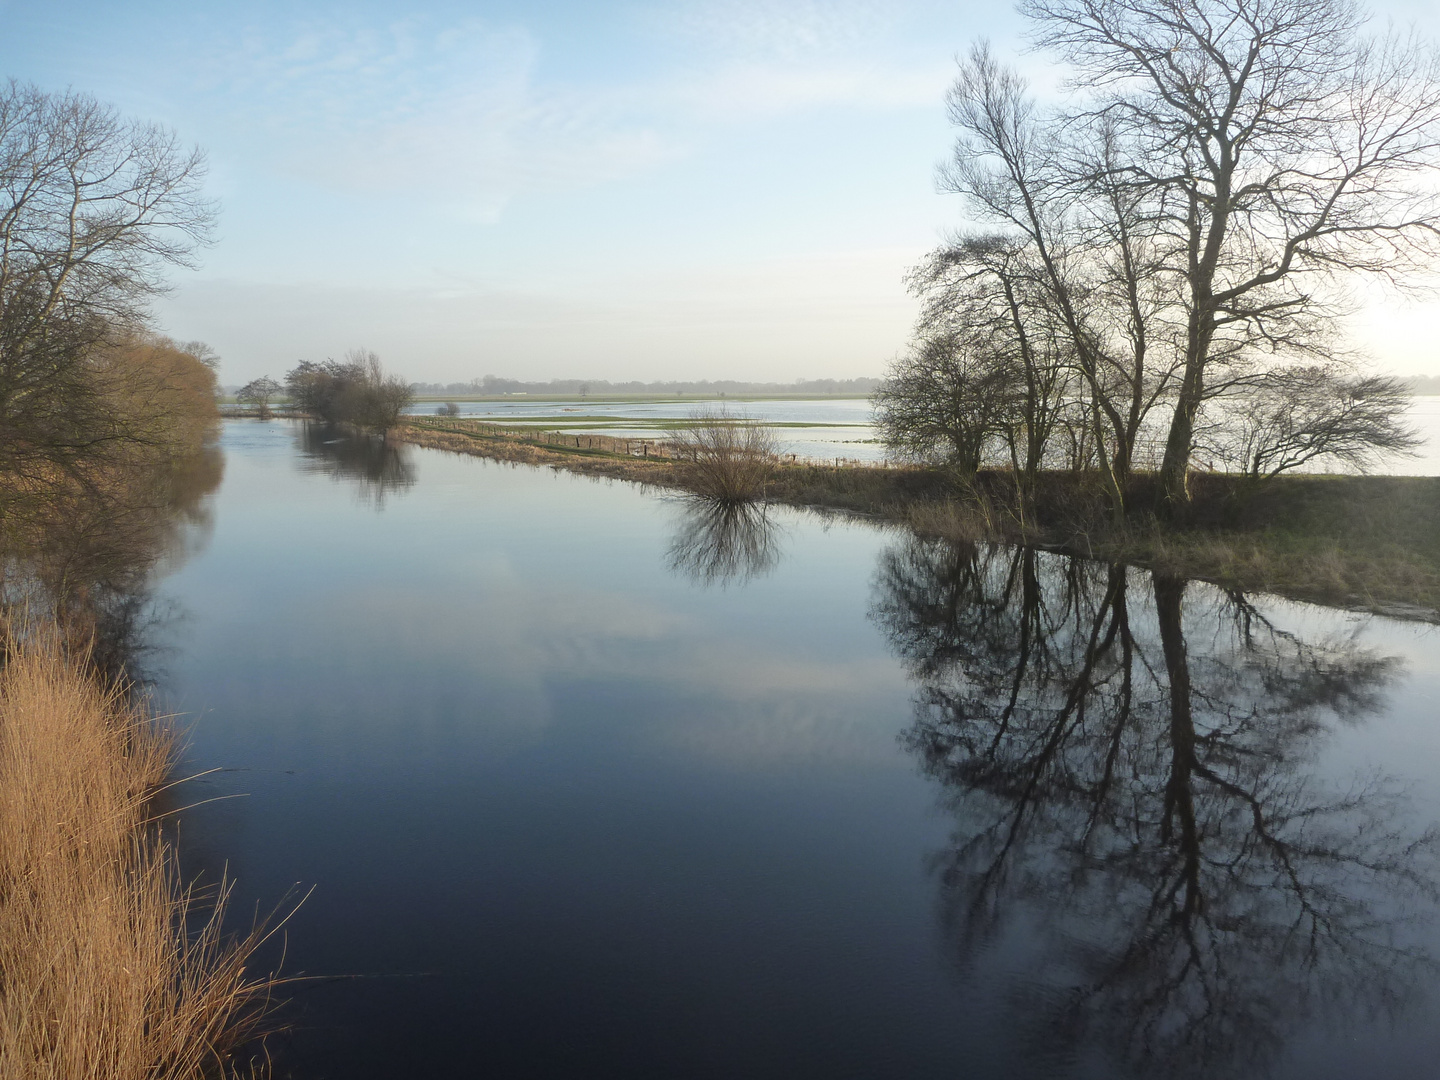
x=110 y=968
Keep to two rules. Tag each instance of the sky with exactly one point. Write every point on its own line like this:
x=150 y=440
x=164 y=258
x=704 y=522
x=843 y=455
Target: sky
x=609 y=190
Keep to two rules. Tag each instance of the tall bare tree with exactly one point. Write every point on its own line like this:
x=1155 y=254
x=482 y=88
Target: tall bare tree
x=1083 y=245
x=1280 y=149
x=259 y=392
x=93 y=209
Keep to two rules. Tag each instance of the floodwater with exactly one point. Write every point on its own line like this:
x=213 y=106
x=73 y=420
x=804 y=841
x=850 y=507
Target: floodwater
x=588 y=782
x=843 y=428
x=832 y=427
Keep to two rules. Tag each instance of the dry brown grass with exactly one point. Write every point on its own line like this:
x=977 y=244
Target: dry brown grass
x=109 y=969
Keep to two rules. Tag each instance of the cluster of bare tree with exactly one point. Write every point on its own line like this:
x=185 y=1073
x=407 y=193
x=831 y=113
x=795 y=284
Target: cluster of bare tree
x=354 y=391
x=1169 y=251
x=97 y=411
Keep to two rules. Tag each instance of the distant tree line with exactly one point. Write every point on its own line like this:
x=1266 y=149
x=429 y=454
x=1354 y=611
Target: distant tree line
x=493 y=386
x=1153 y=272
x=1424 y=384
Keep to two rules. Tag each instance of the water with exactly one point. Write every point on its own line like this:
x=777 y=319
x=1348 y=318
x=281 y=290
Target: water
x=844 y=428
x=588 y=784
x=1424 y=415
x=832 y=427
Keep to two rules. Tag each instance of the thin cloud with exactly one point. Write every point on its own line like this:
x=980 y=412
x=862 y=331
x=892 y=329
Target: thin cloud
x=800 y=27
x=451 y=111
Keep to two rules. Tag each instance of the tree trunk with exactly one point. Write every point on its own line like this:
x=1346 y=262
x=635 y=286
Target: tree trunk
x=1175 y=468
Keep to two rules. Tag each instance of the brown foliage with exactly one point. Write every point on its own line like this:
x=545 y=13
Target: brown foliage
x=104 y=520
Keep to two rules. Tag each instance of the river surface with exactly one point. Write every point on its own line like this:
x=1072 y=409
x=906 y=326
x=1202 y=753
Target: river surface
x=588 y=782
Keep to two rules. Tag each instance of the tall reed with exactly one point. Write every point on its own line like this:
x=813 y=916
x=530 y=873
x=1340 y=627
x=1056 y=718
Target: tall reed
x=110 y=968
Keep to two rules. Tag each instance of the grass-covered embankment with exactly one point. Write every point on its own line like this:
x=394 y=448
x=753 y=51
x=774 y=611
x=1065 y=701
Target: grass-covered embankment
x=107 y=969
x=1364 y=541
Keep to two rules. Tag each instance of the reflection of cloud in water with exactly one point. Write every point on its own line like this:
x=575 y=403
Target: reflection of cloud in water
x=1132 y=764
x=535 y=645
x=724 y=543
x=377 y=467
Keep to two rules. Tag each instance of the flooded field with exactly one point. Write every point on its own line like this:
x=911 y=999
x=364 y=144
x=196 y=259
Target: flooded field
x=821 y=429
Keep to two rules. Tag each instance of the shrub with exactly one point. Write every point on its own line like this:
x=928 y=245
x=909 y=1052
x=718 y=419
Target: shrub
x=731 y=457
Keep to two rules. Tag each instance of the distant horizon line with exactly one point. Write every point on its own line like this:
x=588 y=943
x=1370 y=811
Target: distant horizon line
x=494 y=386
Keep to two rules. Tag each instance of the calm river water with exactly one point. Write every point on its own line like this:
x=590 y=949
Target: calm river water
x=588 y=783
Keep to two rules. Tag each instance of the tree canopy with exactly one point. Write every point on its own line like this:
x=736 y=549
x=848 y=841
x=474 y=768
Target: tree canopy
x=1189 y=219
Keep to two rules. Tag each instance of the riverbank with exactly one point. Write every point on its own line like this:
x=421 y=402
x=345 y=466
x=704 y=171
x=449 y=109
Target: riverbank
x=1368 y=542
x=110 y=970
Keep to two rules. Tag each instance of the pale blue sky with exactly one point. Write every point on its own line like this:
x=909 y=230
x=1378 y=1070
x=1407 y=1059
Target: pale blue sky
x=706 y=189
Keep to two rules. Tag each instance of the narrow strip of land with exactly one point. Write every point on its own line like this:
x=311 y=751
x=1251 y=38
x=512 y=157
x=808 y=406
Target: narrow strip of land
x=1367 y=542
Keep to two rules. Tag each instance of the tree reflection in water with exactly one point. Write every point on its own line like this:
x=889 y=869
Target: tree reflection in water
x=88 y=556
x=377 y=466
x=722 y=542
x=1132 y=763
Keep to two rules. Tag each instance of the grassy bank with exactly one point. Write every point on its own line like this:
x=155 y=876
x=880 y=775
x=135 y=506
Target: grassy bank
x=1367 y=542
x=1371 y=542
x=109 y=970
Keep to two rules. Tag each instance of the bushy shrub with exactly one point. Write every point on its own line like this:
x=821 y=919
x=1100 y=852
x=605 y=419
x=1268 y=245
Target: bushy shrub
x=356 y=391
x=731 y=456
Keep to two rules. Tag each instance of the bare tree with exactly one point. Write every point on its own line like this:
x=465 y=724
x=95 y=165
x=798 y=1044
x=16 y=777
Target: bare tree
x=374 y=400
x=731 y=456
x=93 y=209
x=259 y=392
x=1293 y=416
x=951 y=398
x=1278 y=149
x=1079 y=254
x=983 y=288
x=202 y=352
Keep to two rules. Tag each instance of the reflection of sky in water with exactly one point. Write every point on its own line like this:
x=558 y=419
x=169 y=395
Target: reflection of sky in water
x=571 y=812
x=855 y=440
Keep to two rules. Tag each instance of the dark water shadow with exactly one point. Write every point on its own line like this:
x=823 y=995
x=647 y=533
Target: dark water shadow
x=724 y=542
x=1131 y=764
x=89 y=557
x=376 y=467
